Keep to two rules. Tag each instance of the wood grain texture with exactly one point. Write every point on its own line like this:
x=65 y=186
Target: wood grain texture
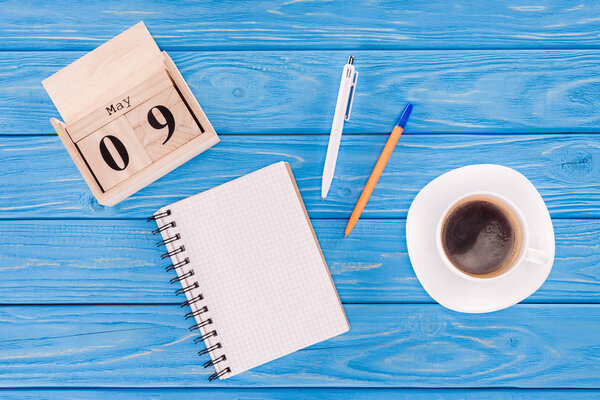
x=156 y=141
x=295 y=92
x=304 y=393
x=107 y=175
x=39 y=179
x=388 y=346
x=117 y=262
x=123 y=62
x=271 y=24
x=131 y=98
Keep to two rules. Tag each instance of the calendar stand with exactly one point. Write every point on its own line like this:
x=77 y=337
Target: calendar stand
x=130 y=118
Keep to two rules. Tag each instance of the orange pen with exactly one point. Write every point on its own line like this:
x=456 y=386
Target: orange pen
x=378 y=170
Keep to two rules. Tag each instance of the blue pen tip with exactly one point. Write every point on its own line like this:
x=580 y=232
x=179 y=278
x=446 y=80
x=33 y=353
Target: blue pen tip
x=401 y=122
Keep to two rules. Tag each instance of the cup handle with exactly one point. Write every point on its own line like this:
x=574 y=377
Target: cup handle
x=535 y=256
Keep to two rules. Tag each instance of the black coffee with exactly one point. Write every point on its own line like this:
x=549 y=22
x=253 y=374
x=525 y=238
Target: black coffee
x=479 y=237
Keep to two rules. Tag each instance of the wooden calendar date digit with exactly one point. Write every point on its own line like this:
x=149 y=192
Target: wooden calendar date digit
x=120 y=160
x=113 y=153
x=163 y=123
x=137 y=139
x=169 y=120
x=109 y=158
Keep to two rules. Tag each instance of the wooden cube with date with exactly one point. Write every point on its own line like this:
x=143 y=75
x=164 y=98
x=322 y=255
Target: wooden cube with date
x=129 y=117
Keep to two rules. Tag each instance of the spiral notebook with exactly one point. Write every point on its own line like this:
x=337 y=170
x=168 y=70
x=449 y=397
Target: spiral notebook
x=251 y=270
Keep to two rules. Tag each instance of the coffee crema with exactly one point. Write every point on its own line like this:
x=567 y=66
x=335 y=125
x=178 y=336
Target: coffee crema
x=481 y=237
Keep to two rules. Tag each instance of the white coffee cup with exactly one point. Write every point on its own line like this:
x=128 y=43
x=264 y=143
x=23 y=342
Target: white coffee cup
x=524 y=251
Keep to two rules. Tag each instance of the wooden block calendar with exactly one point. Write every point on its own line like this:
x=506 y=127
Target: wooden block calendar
x=129 y=117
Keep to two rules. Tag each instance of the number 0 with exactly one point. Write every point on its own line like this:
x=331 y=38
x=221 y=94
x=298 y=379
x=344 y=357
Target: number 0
x=108 y=158
x=169 y=121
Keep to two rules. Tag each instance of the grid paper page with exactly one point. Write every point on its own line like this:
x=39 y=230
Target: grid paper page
x=259 y=267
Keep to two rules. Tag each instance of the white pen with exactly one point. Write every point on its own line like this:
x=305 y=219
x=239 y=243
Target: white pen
x=342 y=113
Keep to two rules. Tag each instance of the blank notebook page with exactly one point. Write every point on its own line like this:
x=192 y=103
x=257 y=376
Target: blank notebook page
x=259 y=266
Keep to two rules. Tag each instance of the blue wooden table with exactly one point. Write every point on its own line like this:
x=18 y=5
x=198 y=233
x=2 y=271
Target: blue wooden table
x=86 y=310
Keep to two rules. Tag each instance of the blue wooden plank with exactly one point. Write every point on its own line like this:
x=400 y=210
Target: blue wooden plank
x=271 y=24
x=552 y=346
x=39 y=179
x=304 y=393
x=294 y=92
x=117 y=262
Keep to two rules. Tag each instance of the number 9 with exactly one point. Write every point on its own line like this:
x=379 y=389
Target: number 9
x=169 y=121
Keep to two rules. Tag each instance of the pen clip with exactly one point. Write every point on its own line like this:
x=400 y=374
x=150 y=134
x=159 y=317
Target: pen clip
x=351 y=97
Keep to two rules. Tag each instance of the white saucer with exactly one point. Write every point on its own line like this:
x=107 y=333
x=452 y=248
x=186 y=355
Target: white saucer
x=483 y=295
